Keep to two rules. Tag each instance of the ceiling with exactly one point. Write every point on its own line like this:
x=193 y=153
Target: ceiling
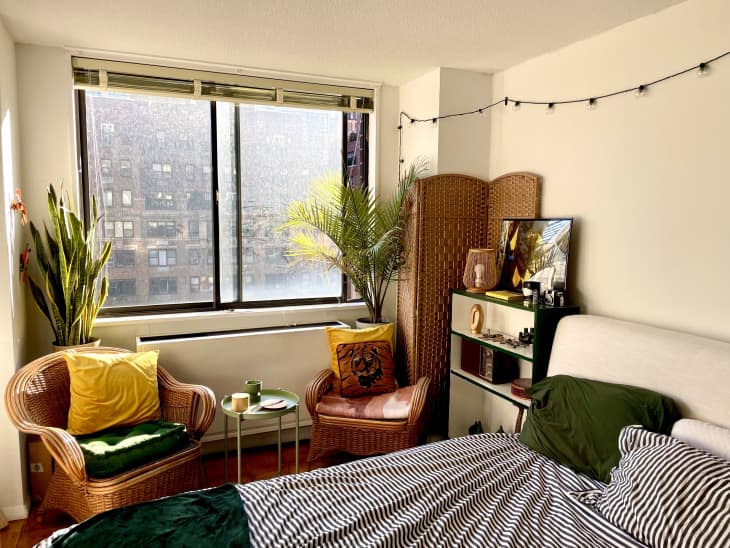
x=388 y=41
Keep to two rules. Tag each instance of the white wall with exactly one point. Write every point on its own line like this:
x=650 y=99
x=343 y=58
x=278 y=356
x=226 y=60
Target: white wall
x=645 y=178
x=385 y=156
x=419 y=99
x=13 y=501
x=451 y=145
x=463 y=141
x=47 y=148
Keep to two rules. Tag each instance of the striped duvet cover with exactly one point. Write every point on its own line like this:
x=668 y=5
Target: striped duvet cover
x=482 y=490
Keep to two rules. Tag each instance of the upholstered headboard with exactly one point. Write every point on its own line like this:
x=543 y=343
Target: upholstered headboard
x=693 y=370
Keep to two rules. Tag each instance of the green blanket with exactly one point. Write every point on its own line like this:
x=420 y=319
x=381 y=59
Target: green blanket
x=210 y=517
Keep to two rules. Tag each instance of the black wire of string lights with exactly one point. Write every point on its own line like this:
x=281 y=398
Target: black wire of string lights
x=591 y=102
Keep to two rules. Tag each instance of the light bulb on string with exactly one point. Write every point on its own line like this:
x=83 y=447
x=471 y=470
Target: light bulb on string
x=481 y=112
x=641 y=91
x=550 y=108
x=703 y=69
x=592 y=103
x=516 y=106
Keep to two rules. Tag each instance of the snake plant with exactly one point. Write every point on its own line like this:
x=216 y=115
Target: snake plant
x=69 y=266
x=348 y=227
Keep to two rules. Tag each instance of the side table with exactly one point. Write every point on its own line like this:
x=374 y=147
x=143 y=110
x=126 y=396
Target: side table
x=255 y=412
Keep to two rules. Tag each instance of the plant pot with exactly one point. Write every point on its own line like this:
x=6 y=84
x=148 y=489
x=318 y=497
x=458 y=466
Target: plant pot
x=96 y=341
x=362 y=323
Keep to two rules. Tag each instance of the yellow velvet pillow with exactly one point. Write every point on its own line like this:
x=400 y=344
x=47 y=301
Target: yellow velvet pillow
x=110 y=390
x=345 y=335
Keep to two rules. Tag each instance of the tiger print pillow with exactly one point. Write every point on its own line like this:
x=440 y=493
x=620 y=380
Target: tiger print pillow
x=366 y=368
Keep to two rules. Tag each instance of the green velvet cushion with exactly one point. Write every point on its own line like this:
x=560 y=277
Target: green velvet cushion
x=116 y=450
x=577 y=421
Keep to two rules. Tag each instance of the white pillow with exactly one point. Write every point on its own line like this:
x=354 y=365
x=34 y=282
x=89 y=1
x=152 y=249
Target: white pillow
x=703 y=435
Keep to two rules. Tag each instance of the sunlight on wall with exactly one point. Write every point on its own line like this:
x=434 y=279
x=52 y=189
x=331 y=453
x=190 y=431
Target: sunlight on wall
x=8 y=192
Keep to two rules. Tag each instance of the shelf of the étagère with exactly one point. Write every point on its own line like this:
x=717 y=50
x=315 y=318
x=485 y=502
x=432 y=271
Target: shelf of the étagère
x=502 y=390
x=520 y=352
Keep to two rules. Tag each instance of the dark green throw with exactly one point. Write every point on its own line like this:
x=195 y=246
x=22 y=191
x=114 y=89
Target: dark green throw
x=211 y=517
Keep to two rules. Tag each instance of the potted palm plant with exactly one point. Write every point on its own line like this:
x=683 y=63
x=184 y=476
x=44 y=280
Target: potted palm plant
x=350 y=228
x=70 y=263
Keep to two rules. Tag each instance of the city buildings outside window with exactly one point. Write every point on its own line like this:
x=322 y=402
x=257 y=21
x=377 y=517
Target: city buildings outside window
x=162 y=257
x=163 y=286
x=121 y=258
x=127 y=198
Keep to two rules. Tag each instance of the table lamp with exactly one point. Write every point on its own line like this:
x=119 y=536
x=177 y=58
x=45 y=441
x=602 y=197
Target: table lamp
x=480 y=273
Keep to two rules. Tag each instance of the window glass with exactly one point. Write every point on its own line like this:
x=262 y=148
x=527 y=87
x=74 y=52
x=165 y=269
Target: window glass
x=120 y=258
x=282 y=150
x=152 y=167
x=132 y=152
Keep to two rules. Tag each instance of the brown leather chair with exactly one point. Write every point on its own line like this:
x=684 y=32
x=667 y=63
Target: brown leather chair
x=333 y=431
x=37 y=399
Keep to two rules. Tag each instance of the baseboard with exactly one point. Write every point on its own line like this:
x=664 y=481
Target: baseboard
x=13 y=513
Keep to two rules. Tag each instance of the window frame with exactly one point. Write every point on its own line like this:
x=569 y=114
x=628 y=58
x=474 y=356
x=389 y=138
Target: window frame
x=346 y=293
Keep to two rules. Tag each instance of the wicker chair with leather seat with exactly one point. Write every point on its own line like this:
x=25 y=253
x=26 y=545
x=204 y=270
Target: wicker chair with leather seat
x=339 y=424
x=38 y=399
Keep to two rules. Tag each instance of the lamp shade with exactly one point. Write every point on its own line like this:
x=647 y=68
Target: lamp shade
x=480 y=272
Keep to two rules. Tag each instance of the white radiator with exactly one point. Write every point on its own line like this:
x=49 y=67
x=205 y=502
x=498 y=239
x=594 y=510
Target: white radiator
x=282 y=357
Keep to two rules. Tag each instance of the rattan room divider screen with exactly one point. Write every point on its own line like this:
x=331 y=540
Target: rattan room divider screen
x=448 y=214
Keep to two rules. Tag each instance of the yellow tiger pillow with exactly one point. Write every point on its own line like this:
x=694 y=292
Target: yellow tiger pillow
x=366 y=368
x=343 y=335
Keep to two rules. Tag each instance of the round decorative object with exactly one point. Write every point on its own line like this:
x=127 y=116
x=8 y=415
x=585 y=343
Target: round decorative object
x=520 y=386
x=476 y=318
x=239 y=402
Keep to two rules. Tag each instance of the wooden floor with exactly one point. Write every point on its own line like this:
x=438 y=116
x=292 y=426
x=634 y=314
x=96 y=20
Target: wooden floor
x=259 y=463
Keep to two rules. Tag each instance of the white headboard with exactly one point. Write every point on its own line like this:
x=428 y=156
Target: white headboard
x=694 y=371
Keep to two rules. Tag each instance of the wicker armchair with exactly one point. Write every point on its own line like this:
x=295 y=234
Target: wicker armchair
x=37 y=399
x=361 y=436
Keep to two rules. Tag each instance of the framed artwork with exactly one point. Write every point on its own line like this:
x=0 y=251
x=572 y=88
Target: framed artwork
x=534 y=249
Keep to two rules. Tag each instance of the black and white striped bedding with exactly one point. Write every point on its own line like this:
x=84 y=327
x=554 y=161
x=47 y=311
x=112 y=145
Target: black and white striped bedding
x=482 y=490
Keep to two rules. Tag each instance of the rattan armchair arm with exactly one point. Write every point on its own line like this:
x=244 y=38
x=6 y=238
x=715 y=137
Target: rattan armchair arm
x=66 y=451
x=63 y=446
x=318 y=386
x=194 y=401
x=418 y=400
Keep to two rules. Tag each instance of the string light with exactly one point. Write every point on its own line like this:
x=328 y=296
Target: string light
x=702 y=69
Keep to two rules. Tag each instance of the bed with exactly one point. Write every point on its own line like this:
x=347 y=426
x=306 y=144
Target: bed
x=494 y=489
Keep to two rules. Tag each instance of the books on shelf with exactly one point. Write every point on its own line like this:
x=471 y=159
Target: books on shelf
x=504 y=295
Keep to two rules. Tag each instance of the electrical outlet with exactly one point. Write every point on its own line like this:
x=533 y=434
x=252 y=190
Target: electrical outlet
x=36 y=467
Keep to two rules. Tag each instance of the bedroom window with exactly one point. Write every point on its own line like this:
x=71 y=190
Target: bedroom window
x=222 y=186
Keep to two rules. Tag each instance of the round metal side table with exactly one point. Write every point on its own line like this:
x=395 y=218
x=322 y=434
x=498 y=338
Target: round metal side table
x=255 y=412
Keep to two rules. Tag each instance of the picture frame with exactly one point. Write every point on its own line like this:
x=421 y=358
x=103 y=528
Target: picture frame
x=536 y=250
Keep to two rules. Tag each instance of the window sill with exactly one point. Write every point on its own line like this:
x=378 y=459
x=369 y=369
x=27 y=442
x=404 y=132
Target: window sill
x=239 y=318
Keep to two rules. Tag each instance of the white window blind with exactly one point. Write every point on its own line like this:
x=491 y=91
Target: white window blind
x=101 y=74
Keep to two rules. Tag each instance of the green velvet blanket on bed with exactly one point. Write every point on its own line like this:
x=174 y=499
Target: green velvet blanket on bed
x=211 y=517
